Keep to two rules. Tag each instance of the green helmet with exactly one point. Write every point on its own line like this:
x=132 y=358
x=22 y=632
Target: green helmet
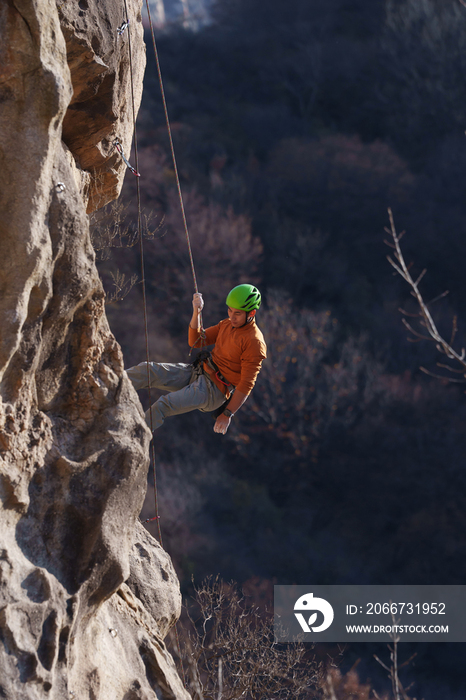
x=245 y=297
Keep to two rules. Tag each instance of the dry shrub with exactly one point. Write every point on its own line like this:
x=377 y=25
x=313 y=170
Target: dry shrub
x=346 y=687
x=232 y=653
x=113 y=230
x=229 y=653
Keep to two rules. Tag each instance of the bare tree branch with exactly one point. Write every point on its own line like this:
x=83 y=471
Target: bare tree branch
x=399 y=692
x=414 y=332
x=450 y=369
x=440 y=296
x=439 y=376
x=426 y=318
x=406 y=313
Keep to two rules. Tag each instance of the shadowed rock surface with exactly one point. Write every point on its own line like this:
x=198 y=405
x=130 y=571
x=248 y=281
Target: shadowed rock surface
x=73 y=441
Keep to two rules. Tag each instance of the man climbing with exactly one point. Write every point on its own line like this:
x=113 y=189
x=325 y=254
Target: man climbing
x=226 y=375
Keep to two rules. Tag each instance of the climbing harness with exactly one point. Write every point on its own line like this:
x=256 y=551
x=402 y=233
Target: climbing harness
x=119 y=148
x=206 y=356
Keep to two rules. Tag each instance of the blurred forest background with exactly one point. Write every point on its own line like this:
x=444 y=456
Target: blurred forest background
x=296 y=125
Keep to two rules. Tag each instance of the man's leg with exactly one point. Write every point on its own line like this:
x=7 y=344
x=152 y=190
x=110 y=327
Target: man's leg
x=189 y=391
x=200 y=394
x=165 y=376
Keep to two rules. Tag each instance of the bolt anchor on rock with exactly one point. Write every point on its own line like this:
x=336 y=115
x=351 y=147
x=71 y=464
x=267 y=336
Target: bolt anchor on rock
x=122 y=27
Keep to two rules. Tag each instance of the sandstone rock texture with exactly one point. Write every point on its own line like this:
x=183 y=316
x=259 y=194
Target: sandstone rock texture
x=73 y=441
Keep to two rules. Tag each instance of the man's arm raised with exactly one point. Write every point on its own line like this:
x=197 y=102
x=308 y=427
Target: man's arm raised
x=198 y=305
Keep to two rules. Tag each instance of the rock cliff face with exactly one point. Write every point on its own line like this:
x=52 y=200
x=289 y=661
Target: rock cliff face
x=73 y=441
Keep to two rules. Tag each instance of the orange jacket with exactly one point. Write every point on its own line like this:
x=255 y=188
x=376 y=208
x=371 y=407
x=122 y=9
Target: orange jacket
x=238 y=353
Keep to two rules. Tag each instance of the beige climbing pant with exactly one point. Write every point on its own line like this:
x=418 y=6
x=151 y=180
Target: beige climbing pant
x=189 y=389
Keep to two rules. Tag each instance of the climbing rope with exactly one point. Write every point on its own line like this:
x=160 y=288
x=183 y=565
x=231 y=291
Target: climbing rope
x=121 y=29
x=172 y=149
x=143 y=276
x=175 y=167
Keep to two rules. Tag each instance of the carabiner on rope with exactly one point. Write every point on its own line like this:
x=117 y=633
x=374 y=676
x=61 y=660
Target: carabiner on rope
x=119 y=148
x=149 y=520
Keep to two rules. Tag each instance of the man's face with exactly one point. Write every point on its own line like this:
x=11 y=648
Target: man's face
x=237 y=317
